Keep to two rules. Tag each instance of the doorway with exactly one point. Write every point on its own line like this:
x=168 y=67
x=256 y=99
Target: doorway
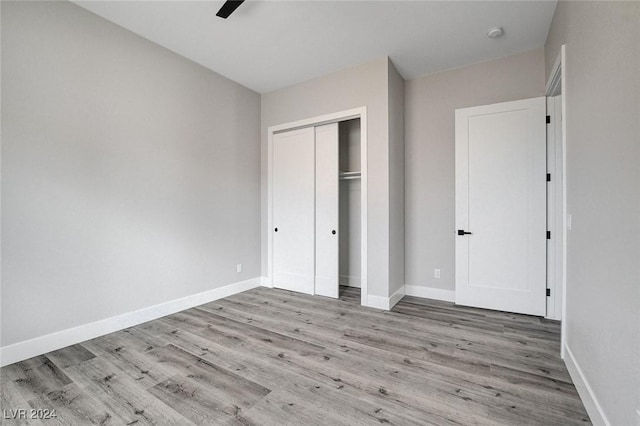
x=559 y=220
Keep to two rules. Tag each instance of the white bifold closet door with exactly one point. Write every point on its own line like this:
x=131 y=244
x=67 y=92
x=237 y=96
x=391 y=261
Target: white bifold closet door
x=327 y=210
x=294 y=210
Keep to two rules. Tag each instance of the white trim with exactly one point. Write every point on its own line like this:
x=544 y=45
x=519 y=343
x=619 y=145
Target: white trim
x=364 y=230
x=360 y=113
x=555 y=78
x=385 y=303
x=558 y=81
x=61 y=339
x=591 y=404
x=563 y=326
x=319 y=120
x=377 y=302
x=396 y=297
x=264 y=282
x=430 y=293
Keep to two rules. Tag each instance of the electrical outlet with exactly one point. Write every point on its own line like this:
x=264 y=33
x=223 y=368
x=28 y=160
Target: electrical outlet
x=239 y=267
x=436 y=273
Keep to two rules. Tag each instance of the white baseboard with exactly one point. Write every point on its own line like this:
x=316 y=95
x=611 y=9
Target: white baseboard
x=264 y=282
x=396 y=297
x=430 y=293
x=385 y=303
x=61 y=339
x=350 y=281
x=593 y=407
x=377 y=302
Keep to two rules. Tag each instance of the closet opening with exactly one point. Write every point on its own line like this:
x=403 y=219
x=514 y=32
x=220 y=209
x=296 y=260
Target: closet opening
x=350 y=195
x=317 y=205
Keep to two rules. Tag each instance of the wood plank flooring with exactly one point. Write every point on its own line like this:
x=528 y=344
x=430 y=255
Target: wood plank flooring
x=273 y=357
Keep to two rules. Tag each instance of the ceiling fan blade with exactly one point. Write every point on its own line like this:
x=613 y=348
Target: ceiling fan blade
x=228 y=7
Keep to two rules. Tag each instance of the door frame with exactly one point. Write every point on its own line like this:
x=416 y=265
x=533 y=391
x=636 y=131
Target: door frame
x=557 y=86
x=335 y=117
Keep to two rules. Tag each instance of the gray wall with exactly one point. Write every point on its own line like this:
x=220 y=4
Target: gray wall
x=430 y=103
x=603 y=196
x=396 y=180
x=130 y=175
x=365 y=85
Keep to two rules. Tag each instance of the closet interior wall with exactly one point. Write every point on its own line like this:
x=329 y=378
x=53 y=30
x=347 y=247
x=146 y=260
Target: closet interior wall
x=350 y=198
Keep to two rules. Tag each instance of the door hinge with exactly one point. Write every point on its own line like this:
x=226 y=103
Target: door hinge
x=548 y=292
x=548 y=119
x=548 y=235
x=548 y=177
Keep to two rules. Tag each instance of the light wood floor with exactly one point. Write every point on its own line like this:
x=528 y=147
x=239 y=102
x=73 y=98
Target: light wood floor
x=272 y=357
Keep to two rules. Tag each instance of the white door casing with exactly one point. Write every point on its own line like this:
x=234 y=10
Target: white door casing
x=501 y=200
x=294 y=210
x=327 y=210
x=272 y=131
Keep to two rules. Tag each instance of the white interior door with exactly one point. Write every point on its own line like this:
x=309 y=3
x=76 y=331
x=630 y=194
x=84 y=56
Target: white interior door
x=327 y=210
x=501 y=203
x=294 y=210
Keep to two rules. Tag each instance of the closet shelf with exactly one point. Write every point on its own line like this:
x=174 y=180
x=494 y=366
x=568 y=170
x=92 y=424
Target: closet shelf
x=349 y=175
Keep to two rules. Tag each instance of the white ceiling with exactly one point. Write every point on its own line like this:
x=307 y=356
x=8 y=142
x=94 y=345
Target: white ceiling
x=267 y=45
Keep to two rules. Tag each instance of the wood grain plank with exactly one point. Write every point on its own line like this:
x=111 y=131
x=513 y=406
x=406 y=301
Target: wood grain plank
x=268 y=356
x=128 y=351
x=461 y=339
x=69 y=356
x=72 y=406
x=35 y=377
x=12 y=403
x=235 y=356
x=482 y=389
x=125 y=399
x=379 y=380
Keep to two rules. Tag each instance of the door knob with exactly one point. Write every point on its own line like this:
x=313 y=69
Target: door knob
x=276 y=229
x=462 y=232
x=333 y=232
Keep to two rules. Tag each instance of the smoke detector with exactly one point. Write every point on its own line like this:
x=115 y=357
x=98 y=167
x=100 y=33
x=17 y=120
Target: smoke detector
x=495 y=32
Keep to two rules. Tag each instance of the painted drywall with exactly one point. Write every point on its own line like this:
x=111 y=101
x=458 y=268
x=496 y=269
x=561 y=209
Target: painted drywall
x=603 y=176
x=365 y=85
x=396 y=180
x=130 y=175
x=350 y=198
x=430 y=102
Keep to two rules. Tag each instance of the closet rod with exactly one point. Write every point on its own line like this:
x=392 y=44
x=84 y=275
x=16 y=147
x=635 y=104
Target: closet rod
x=348 y=174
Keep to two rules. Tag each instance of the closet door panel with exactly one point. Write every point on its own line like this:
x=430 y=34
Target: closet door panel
x=294 y=210
x=327 y=210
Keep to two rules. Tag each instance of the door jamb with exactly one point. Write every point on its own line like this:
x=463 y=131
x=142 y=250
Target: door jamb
x=360 y=113
x=554 y=206
x=556 y=85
